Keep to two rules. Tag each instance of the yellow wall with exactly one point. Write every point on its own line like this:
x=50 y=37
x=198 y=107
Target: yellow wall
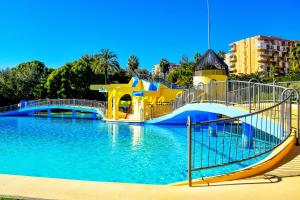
x=208 y=78
x=245 y=56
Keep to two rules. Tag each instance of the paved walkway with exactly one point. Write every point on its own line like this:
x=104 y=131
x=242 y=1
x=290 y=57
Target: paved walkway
x=283 y=182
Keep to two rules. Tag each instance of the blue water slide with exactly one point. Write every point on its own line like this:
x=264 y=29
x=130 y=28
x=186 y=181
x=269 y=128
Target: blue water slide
x=199 y=112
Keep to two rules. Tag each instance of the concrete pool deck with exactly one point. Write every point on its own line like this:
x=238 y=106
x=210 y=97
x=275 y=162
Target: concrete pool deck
x=282 y=182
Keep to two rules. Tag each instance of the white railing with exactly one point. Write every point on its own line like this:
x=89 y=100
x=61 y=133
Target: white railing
x=98 y=105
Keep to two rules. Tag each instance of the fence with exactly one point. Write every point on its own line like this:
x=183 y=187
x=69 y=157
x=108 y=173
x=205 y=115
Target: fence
x=253 y=95
x=101 y=106
x=227 y=141
x=159 y=110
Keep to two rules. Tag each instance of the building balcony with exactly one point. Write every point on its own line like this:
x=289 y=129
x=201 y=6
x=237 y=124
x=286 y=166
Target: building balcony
x=262 y=59
x=232 y=66
x=263 y=67
x=266 y=53
x=261 y=45
x=283 y=49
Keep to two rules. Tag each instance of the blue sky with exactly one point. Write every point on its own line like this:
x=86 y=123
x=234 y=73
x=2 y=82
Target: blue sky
x=59 y=31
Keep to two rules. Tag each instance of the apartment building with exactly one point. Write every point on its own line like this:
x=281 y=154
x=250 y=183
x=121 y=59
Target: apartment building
x=259 y=53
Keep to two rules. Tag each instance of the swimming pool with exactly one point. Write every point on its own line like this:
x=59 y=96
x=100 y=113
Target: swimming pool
x=97 y=151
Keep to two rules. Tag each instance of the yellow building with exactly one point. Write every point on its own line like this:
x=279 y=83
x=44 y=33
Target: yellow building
x=258 y=54
x=138 y=100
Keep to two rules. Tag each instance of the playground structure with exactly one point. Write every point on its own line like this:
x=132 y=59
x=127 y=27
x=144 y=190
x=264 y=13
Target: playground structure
x=138 y=100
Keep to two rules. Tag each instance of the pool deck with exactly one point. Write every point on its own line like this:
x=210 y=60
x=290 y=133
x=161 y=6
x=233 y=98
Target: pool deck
x=282 y=182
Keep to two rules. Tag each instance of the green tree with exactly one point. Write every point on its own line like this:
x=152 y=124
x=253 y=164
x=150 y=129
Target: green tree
x=32 y=80
x=7 y=85
x=221 y=54
x=164 y=66
x=185 y=74
x=173 y=77
x=106 y=62
x=121 y=77
x=133 y=63
x=182 y=75
x=295 y=58
x=144 y=74
x=24 y=82
x=272 y=72
x=197 y=57
x=59 y=84
x=73 y=80
x=83 y=76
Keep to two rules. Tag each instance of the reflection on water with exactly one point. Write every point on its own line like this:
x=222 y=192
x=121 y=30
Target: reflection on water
x=113 y=129
x=134 y=131
x=137 y=132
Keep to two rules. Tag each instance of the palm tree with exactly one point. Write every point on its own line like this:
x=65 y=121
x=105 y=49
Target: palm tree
x=221 y=54
x=164 y=66
x=106 y=62
x=197 y=57
x=133 y=63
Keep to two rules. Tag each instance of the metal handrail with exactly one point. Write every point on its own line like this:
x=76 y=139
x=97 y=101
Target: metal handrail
x=229 y=92
x=99 y=105
x=240 y=116
x=233 y=93
x=272 y=116
x=8 y=108
x=236 y=143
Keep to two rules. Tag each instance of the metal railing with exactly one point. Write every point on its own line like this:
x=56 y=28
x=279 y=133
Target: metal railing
x=252 y=94
x=98 y=105
x=227 y=141
x=289 y=84
x=9 y=108
x=158 y=110
x=247 y=94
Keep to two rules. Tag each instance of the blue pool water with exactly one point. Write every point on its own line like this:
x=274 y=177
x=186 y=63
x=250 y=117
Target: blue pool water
x=95 y=150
